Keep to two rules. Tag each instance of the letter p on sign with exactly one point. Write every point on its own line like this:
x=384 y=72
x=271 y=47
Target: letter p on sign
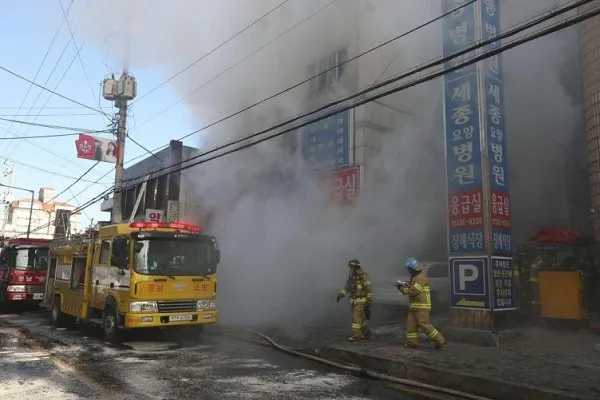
x=467 y=273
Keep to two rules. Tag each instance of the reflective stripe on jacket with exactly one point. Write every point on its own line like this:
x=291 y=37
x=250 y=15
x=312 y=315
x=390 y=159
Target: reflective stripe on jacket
x=419 y=294
x=358 y=288
x=533 y=272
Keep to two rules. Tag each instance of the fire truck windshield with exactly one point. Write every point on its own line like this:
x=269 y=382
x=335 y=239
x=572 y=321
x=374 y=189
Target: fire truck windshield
x=31 y=258
x=175 y=257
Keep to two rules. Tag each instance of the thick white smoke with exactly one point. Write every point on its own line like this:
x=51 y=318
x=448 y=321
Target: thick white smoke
x=284 y=248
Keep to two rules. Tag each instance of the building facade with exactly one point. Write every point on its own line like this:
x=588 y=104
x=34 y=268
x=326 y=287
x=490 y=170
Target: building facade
x=164 y=191
x=47 y=216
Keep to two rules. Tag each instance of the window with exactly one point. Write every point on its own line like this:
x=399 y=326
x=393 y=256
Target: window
x=52 y=269
x=333 y=61
x=438 y=270
x=105 y=253
x=78 y=274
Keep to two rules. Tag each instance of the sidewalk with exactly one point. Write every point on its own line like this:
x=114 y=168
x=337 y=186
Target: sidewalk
x=538 y=364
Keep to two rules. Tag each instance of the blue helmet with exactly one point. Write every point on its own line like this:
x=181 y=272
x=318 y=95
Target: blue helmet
x=411 y=263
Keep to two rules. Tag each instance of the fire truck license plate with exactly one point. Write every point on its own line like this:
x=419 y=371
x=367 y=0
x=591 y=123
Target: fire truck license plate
x=180 y=318
x=38 y=296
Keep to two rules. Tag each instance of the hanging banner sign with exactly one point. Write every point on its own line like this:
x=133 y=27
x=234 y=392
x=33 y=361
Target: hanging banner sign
x=343 y=185
x=94 y=148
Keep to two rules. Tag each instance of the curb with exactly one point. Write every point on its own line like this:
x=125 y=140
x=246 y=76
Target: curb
x=493 y=389
x=479 y=337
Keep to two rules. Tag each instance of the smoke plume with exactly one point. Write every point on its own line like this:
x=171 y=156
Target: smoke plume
x=284 y=247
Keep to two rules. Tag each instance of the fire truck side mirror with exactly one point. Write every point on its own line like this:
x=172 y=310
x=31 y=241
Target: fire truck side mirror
x=218 y=256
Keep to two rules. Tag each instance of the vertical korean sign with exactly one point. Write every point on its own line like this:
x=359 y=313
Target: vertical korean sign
x=493 y=94
x=466 y=229
x=326 y=143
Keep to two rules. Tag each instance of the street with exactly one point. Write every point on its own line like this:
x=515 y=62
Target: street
x=74 y=364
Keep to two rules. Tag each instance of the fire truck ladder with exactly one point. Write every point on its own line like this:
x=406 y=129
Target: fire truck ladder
x=139 y=199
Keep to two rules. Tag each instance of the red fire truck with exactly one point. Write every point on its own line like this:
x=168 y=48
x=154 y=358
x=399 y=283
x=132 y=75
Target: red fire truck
x=23 y=268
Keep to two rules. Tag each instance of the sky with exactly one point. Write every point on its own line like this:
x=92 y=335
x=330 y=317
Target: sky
x=53 y=162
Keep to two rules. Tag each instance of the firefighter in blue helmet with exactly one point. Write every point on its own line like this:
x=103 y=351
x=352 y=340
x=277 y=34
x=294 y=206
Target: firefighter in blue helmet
x=360 y=296
x=419 y=306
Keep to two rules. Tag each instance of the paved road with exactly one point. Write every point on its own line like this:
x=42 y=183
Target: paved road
x=29 y=374
x=77 y=364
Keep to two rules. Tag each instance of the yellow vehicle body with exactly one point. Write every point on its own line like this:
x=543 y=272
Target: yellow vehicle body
x=87 y=283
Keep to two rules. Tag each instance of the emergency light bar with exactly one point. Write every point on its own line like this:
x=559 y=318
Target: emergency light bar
x=170 y=225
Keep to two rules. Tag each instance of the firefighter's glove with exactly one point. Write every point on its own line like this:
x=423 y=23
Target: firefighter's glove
x=339 y=296
x=368 y=312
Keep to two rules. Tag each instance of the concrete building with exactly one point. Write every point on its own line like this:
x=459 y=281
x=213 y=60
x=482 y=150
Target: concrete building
x=163 y=197
x=44 y=216
x=590 y=74
x=398 y=141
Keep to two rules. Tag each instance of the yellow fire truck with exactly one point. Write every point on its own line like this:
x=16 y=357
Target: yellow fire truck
x=138 y=275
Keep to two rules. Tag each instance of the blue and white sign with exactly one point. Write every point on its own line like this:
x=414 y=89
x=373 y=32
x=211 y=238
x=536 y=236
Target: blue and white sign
x=470 y=282
x=503 y=284
x=495 y=125
x=463 y=149
x=326 y=143
x=459 y=33
x=466 y=229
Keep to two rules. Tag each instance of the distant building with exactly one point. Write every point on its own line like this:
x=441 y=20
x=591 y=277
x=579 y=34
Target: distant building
x=44 y=216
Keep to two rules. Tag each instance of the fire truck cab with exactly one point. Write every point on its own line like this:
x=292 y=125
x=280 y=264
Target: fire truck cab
x=138 y=275
x=23 y=266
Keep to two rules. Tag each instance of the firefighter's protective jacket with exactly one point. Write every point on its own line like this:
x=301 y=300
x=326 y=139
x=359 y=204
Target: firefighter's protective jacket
x=419 y=294
x=533 y=272
x=358 y=288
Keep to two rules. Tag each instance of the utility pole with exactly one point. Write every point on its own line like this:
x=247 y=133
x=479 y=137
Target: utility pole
x=6 y=197
x=120 y=92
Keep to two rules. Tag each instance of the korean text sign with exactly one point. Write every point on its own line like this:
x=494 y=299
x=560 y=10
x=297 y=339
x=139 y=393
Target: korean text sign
x=343 y=185
x=463 y=137
x=326 y=143
x=496 y=132
x=96 y=148
x=503 y=284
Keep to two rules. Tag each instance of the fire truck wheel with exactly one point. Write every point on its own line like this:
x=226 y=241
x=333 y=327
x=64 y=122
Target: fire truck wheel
x=112 y=334
x=60 y=319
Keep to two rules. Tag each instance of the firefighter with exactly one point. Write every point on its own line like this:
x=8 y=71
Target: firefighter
x=534 y=289
x=360 y=296
x=419 y=306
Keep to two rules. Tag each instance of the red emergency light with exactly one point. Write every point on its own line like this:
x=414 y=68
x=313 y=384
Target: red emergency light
x=170 y=225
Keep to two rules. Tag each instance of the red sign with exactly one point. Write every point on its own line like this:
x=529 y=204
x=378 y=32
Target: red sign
x=152 y=287
x=343 y=185
x=500 y=203
x=466 y=209
x=95 y=148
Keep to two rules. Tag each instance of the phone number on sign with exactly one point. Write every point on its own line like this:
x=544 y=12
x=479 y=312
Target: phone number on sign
x=473 y=222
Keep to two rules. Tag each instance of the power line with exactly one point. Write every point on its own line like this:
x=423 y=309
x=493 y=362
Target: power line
x=52 y=115
x=61 y=127
x=210 y=52
x=41 y=91
x=39 y=68
x=48 y=99
x=33 y=167
x=144 y=148
x=424 y=67
x=87 y=78
x=73 y=184
x=48 y=90
x=463 y=63
x=424 y=25
x=236 y=63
